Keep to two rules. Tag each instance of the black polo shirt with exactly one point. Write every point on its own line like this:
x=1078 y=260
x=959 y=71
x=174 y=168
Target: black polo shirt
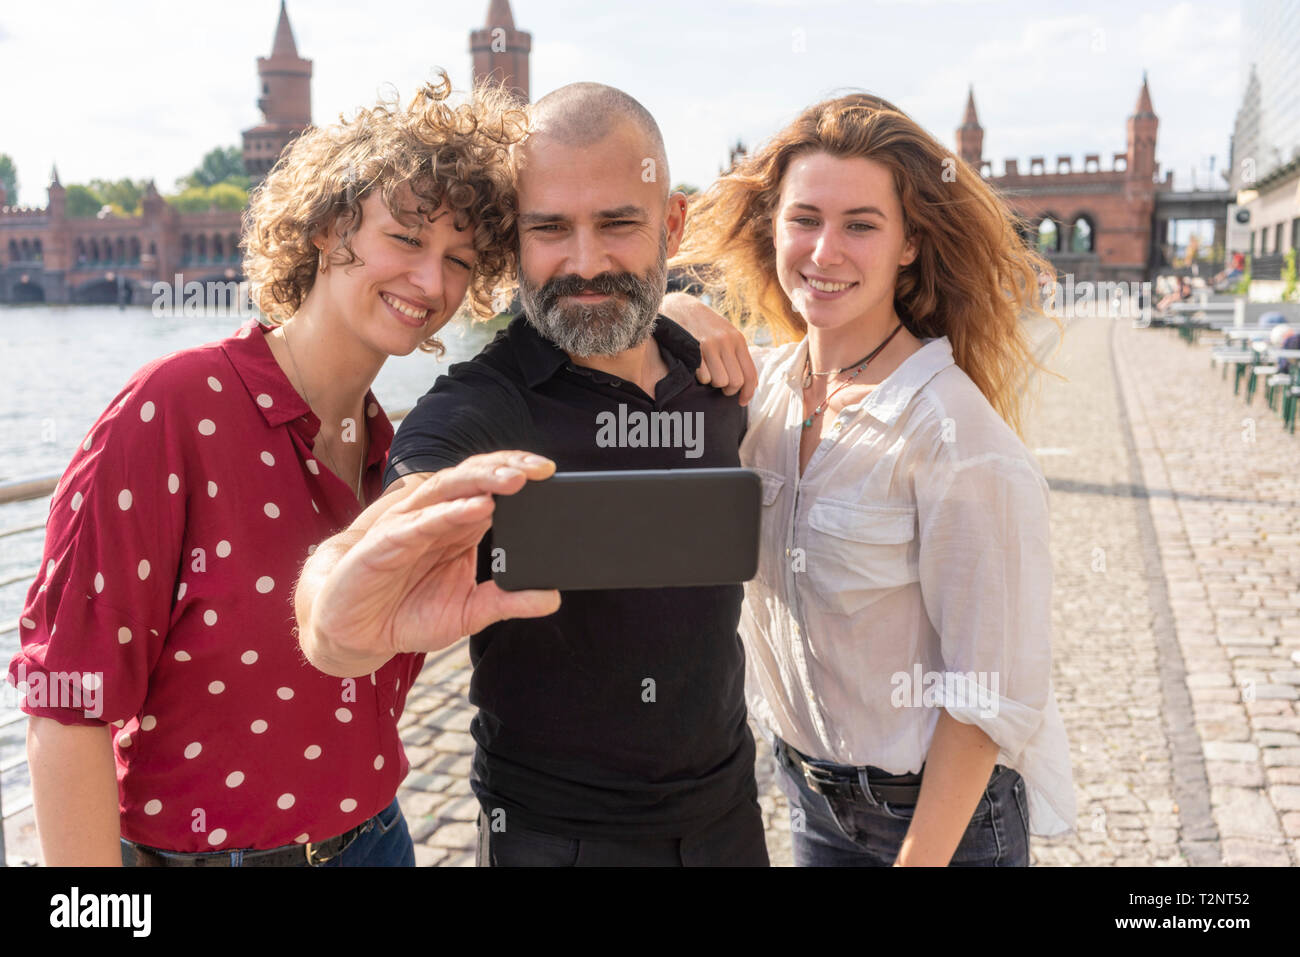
x=567 y=740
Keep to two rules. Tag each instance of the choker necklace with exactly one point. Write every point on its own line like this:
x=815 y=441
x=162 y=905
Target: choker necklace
x=860 y=365
x=808 y=373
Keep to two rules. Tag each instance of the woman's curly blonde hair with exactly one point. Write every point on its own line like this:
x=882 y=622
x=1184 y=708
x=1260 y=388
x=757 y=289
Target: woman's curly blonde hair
x=453 y=155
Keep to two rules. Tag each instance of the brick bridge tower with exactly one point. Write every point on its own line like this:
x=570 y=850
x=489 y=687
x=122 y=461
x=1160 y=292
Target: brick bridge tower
x=500 y=51
x=285 y=101
x=1095 y=223
x=970 y=135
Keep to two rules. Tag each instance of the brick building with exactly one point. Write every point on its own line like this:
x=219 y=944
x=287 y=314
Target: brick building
x=1101 y=224
x=45 y=256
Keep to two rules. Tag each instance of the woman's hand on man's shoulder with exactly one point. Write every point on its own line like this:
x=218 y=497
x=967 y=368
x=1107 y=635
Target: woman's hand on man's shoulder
x=725 y=360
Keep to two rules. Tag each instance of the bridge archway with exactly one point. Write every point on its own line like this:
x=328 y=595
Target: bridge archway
x=1082 y=237
x=1048 y=233
x=100 y=292
x=27 y=292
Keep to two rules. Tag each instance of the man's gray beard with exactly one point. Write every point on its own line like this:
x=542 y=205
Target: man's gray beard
x=607 y=328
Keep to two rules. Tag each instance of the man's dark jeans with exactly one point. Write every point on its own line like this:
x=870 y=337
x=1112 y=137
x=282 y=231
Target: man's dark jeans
x=736 y=839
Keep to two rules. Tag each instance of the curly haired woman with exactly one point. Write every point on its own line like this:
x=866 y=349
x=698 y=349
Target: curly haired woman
x=177 y=532
x=897 y=633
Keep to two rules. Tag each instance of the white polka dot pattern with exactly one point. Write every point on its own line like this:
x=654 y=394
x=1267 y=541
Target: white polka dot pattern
x=241 y=722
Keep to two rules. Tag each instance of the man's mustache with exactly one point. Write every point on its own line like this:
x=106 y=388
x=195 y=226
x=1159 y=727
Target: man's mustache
x=605 y=283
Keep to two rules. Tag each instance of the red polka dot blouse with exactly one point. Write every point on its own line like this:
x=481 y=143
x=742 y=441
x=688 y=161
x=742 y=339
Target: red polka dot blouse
x=164 y=607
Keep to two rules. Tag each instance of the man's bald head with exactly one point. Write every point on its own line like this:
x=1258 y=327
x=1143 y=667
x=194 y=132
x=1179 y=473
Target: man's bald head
x=581 y=114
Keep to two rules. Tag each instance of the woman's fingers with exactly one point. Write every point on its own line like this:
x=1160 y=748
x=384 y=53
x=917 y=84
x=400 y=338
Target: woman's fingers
x=399 y=541
x=749 y=371
x=489 y=604
x=735 y=377
x=495 y=473
x=730 y=366
x=713 y=368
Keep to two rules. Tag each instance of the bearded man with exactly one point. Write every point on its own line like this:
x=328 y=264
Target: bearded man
x=574 y=762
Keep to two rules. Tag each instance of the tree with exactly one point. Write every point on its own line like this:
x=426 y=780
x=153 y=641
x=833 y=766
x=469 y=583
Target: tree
x=82 y=202
x=228 y=196
x=9 y=177
x=198 y=199
x=123 y=194
x=221 y=165
x=192 y=200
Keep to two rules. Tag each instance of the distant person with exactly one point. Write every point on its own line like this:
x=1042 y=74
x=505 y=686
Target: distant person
x=1285 y=338
x=1230 y=276
x=1181 y=293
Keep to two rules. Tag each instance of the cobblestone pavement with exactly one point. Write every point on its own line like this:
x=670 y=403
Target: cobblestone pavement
x=1176 y=621
x=1225 y=502
x=1105 y=648
x=1176 y=613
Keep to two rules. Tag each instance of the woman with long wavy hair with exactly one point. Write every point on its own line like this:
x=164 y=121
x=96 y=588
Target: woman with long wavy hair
x=198 y=736
x=897 y=631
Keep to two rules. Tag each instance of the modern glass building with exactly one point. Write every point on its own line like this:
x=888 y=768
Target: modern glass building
x=1266 y=134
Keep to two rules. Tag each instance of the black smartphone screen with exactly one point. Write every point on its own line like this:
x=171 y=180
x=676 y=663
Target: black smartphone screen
x=628 y=529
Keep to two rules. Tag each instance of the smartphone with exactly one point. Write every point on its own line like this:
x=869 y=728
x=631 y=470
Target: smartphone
x=656 y=528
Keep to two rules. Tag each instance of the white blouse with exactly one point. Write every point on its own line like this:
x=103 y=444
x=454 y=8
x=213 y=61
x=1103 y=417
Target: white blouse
x=908 y=569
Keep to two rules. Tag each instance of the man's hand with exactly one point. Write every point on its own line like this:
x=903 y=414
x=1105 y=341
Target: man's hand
x=727 y=364
x=407 y=583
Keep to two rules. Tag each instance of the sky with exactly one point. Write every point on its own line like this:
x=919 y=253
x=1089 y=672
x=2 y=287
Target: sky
x=143 y=88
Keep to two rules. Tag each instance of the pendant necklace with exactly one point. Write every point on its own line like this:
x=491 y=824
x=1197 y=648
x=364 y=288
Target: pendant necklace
x=857 y=370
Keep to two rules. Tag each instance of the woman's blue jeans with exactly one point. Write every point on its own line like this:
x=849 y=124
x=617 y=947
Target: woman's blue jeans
x=385 y=842
x=851 y=832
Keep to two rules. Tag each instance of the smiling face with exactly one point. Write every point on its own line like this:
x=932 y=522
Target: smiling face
x=839 y=237
x=594 y=237
x=410 y=277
